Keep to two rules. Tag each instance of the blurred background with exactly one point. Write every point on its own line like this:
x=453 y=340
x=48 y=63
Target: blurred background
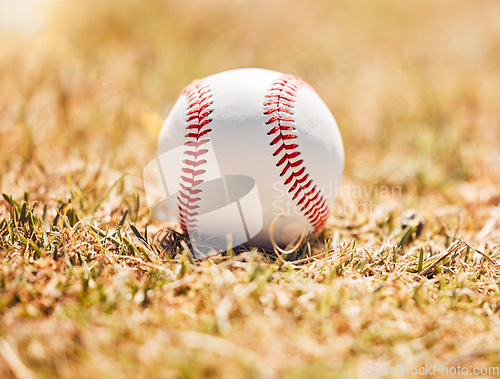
x=84 y=89
x=414 y=86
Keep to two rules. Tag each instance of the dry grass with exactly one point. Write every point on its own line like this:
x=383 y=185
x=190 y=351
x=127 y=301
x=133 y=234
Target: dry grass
x=87 y=290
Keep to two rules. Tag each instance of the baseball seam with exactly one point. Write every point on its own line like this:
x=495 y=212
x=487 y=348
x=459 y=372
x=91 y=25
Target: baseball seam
x=197 y=119
x=279 y=106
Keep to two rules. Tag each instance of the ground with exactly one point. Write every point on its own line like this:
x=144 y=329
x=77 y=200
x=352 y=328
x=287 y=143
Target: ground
x=405 y=274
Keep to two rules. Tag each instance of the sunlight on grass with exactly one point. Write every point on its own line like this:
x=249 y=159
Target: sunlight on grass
x=89 y=285
x=21 y=15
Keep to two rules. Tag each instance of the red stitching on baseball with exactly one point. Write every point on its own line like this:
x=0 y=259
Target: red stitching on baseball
x=280 y=100
x=197 y=118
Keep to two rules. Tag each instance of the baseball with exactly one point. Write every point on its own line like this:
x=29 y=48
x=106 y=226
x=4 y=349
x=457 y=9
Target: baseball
x=247 y=149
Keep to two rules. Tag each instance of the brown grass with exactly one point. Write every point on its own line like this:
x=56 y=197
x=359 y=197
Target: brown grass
x=85 y=292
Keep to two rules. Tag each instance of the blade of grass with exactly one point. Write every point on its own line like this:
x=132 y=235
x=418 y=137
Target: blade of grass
x=420 y=260
x=108 y=192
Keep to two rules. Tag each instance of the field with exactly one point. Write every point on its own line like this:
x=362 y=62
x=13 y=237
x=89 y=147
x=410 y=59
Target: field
x=405 y=274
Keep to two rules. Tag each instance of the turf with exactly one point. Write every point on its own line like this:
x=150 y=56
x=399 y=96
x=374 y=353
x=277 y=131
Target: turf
x=406 y=272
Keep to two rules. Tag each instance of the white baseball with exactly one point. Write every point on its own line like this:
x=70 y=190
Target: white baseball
x=268 y=127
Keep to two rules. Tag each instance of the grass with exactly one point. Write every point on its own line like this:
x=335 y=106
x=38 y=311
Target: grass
x=90 y=286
